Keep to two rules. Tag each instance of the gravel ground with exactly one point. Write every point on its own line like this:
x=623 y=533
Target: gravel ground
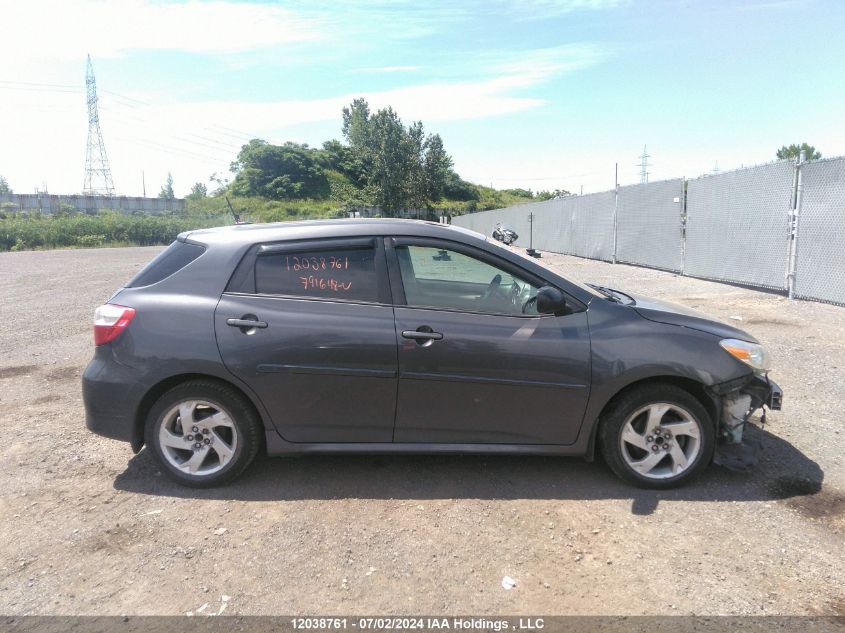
x=88 y=528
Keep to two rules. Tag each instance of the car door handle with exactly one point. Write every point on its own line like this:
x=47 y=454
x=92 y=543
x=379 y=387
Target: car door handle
x=246 y=323
x=422 y=336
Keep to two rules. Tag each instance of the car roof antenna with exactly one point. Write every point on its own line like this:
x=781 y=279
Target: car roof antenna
x=237 y=216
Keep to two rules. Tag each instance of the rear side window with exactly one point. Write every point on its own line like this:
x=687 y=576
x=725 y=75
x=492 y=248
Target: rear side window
x=172 y=259
x=341 y=273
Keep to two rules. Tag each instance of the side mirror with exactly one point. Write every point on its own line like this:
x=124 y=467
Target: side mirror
x=550 y=300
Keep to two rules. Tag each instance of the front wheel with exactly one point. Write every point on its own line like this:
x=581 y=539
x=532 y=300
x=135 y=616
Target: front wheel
x=203 y=433
x=657 y=436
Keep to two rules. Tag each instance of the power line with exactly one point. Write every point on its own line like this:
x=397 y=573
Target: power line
x=132 y=103
x=224 y=131
x=561 y=177
x=174 y=150
x=98 y=179
x=644 y=165
x=187 y=138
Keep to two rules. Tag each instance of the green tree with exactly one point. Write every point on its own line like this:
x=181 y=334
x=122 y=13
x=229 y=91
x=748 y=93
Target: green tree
x=167 y=189
x=4 y=186
x=455 y=188
x=221 y=182
x=438 y=168
x=548 y=195
x=402 y=166
x=339 y=157
x=199 y=190
x=388 y=156
x=519 y=193
x=793 y=151
x=356 y=123
x=278 y=172
x=416 y=185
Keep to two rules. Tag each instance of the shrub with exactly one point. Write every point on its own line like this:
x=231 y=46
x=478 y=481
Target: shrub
x=23 y=232
x=90 y=241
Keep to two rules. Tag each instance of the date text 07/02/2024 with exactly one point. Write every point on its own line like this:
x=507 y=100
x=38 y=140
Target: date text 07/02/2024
x=418 y=623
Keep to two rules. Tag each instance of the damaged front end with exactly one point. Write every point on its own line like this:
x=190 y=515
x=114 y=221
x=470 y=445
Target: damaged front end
x=738 y=401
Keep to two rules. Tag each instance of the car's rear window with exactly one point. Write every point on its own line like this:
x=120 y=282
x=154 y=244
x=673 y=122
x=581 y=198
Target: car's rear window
x=173 y=258
x=342 y=273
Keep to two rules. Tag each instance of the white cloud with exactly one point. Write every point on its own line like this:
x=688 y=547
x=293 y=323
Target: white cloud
x=535 y=65
x=61 y=30
x=432 y=102
x=194 y=139
x=543 y=9
x=389 y=69
x=439 y=101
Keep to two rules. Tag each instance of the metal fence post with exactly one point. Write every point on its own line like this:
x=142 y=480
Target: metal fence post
x=615 y=212
x=684 y=219
x=793 y=223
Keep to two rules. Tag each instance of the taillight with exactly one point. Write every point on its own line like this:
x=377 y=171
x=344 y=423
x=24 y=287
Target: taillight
x=109 y=321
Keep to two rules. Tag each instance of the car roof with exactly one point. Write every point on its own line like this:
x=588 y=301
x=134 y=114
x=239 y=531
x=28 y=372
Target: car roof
x=241 y=234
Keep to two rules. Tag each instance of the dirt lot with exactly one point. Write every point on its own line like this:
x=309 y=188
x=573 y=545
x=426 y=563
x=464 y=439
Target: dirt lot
x=88 y=528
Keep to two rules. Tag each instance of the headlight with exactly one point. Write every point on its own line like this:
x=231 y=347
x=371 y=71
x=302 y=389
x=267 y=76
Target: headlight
x=751 y=354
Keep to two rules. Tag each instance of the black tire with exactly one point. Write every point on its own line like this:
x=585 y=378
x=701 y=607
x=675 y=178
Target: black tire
x=614 y=420
x=246 y=428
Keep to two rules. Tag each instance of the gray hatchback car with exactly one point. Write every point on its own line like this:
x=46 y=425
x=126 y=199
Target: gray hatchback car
x=393 y=336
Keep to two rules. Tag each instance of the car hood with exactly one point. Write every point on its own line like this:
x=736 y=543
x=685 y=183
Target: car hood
x=674 y=314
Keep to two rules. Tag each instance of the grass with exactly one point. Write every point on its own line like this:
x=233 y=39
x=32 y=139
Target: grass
x=20 y=232
x=33 y=231
x=262 y=210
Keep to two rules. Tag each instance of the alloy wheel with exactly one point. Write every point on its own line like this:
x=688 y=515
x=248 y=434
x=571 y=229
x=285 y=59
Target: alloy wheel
x=198 y=437
x=660 y=440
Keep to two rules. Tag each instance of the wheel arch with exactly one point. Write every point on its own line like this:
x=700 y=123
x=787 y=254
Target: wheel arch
x=164 y=385
x=697 y=389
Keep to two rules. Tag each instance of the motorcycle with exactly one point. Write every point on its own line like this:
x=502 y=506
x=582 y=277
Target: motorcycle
x=505 y=236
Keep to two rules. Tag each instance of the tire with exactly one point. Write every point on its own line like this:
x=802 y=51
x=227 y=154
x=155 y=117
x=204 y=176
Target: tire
x=685 y=437
x=225 y=433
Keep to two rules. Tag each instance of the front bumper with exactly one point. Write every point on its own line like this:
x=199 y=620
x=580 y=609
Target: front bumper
x=764 y=392
x=736 y=449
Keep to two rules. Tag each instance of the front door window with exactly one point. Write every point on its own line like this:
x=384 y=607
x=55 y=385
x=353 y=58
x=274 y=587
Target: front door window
x=445 y=279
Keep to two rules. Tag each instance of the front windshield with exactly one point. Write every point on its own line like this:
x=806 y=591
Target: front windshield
x=545 y=264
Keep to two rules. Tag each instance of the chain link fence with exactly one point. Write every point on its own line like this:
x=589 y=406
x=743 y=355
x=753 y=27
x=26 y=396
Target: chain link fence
x=820 y=248
x=738 y=225
x=591 y=225
x=649 y=225
x=577 y=225
x=735 y=227
x=515 y=218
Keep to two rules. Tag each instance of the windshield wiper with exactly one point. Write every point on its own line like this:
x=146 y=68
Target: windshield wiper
x=605 y=292
x=614 y=295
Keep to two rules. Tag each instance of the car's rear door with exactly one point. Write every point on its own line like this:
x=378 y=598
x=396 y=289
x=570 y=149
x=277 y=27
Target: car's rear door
x=477 y=364
x=309 y=326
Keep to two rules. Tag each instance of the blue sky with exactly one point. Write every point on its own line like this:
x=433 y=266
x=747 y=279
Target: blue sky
x=538 y=94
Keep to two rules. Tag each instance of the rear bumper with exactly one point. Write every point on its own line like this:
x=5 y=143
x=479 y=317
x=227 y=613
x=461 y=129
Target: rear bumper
x=112 y=393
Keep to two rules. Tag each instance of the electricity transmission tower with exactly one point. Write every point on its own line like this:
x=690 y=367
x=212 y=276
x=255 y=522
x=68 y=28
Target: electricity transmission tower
x=98 y=181
x=644 y=165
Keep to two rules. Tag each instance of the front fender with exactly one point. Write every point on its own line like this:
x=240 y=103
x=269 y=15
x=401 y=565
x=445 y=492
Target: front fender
x=627 y=348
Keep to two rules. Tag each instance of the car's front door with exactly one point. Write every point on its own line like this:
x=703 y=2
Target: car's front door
x=477 y=364
x=309 y=326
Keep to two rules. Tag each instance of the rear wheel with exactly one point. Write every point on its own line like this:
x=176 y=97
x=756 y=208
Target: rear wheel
x=657 y=436
x=203 y=433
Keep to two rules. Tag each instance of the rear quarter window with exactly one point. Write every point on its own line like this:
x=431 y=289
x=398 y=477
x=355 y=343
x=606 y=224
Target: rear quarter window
x=341 y=273
x=171 y=260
